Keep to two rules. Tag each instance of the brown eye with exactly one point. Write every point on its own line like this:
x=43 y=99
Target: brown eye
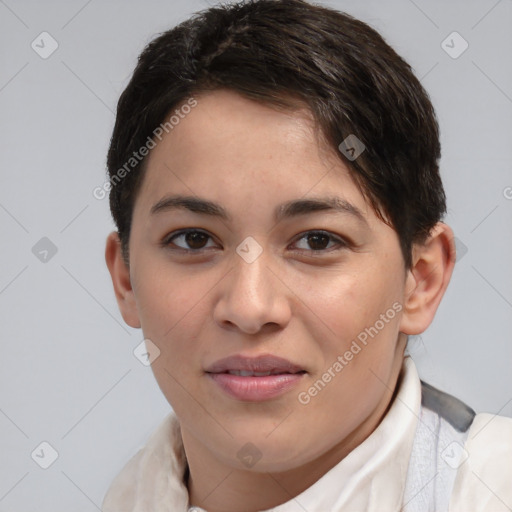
x=192 y=240
x=319 y=241
x=196 y=239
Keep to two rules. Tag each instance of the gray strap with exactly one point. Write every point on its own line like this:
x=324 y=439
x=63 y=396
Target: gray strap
x=438 y=451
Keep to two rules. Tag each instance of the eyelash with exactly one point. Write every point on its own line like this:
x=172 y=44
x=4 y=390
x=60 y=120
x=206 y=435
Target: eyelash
x=169 y=239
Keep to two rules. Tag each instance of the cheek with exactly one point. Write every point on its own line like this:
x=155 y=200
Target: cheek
x=363 y=316
x=347 y=304
x=173 y=310
x=358 y=356
x=168 y=300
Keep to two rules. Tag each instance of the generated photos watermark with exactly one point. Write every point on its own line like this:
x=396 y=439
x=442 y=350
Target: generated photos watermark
x=357 y=345
x=137 y=156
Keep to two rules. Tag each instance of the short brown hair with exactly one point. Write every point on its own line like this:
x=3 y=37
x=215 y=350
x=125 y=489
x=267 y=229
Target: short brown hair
x=276 y=51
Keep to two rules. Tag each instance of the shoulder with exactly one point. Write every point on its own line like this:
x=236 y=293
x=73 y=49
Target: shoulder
x=154 y=475
x=442 y=429
x=461 y=460
x=121 y=493
x=484 y=478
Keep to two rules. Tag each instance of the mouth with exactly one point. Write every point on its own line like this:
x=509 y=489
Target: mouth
x=255 y=379
x=260 y=366
x=248 y=373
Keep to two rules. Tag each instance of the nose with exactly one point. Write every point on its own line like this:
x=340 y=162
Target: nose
x=253 y=297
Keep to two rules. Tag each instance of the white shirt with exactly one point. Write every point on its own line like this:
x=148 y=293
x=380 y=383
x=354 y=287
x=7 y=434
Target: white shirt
x=430 y=453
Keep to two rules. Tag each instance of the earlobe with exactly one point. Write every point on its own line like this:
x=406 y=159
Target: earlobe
x=428 y=278
x=120 y=274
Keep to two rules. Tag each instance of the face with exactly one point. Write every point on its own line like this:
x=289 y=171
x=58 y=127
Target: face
x=275 y=276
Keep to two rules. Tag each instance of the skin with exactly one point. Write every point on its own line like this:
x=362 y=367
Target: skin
x=289 y=302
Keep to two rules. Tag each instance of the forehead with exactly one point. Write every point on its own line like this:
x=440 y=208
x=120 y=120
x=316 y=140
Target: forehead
x=229 y=148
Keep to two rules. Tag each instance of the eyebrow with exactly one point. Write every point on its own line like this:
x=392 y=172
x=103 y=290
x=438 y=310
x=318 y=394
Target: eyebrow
x=286 y=210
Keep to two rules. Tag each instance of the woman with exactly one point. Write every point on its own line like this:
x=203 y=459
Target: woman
x=246 y=136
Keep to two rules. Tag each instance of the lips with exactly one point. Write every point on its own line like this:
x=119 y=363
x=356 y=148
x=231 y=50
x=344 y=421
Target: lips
x=255 y=379
x=248 y=373
x=265 y=364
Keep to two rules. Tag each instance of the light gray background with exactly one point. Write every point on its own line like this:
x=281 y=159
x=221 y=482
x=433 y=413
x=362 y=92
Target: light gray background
x=68 y=375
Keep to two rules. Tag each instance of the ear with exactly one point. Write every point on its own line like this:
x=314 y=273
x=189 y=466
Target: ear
x=428 y=278
x=120 y=274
